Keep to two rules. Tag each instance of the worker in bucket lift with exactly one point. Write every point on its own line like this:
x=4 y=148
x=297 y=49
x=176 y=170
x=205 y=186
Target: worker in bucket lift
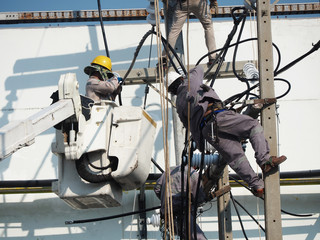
x=103 y=84
x=178 y=213
x=201 y=10
x=224 y=129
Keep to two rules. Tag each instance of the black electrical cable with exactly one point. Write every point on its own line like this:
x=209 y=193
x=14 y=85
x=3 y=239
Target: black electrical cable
x=164 y=41
x=166 y=46
x=202 y=211
x=288 y=90
x=111 y=217
x=314 y=48
x=247 y=92
x=227 y=43
x=182 y=168
x=102 y=28
x=292 y=214
x=182 y=207
x=236 y=50
x=100 y=168
x=249 y=215
x=105 y=42
x=254 y=95
x=157 y=165
x=240 y=220
x=237 y=43
x=239 y=95
x=87 y=174
x=150 y=50
x=146 y=90
x=137 y=53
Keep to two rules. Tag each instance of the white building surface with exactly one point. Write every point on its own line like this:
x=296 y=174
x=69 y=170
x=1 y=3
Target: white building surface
x=32 y=60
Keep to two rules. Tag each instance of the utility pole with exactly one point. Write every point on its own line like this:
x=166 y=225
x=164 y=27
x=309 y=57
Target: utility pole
x=272 y=203
x=224 y=208
x=178 y=130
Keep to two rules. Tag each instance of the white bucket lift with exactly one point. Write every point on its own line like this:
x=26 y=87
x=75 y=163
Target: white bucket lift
x=122 y=135
x=102 y=148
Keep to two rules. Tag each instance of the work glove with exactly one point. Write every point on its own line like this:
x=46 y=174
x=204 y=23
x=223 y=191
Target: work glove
x=117 y=75
x=213 y=6
x=120 y=80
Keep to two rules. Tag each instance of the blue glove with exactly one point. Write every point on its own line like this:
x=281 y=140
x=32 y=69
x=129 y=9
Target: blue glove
x=117 y=75
x=120 y=80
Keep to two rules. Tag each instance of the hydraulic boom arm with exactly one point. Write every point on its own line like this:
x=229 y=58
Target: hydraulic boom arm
x=18 y=134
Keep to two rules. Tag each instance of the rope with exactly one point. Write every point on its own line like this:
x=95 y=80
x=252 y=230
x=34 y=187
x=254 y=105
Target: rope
x=169 y=223
x=189 y=126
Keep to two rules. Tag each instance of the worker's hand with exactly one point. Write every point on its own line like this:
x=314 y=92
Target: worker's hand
x=213 y=6
x=120 y=80
x=117 y=75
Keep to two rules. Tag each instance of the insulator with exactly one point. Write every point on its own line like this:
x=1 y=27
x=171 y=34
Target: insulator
x=208 y=159
x=151 y=18
x=72 y=136
x=154 y=220
x=250 y=71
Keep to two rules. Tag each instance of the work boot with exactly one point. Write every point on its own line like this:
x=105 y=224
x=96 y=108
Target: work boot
x=273 y=162
x=258 y=192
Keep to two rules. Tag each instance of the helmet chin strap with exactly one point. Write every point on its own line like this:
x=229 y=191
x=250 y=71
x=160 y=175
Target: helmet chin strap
x=103 y=73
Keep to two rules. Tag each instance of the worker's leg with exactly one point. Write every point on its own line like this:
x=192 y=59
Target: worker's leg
x=231 y=150
x=200 y=233
x=202 y=12
x=180 y=16
x=245 y=127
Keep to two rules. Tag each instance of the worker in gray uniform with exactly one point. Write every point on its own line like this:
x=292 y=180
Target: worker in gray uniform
x=201 y=9
x=224 y=129
x=178 y=213
x=103 y=84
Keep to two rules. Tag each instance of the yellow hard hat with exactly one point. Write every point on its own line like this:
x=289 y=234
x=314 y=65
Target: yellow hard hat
x=101 y=64
x=103 y=61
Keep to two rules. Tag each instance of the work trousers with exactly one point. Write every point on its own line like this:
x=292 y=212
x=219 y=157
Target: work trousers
x=232 y=128
x=201 y=9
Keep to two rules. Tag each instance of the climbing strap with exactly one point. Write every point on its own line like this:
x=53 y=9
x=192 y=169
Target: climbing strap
x=265 y=101
x=220 y=192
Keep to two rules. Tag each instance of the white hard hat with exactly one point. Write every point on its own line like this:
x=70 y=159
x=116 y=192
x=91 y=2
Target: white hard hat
x=172 y=76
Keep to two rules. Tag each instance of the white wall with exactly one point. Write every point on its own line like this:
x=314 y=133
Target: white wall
x=32 y=60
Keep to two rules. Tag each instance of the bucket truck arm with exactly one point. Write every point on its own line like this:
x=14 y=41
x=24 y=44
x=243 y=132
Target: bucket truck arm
x=18 y=134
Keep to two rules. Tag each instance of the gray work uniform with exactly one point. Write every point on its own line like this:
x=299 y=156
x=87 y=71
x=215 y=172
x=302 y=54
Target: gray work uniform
x=99 y=90
x=175 y=174
x=232 y=128
x=201 y=9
